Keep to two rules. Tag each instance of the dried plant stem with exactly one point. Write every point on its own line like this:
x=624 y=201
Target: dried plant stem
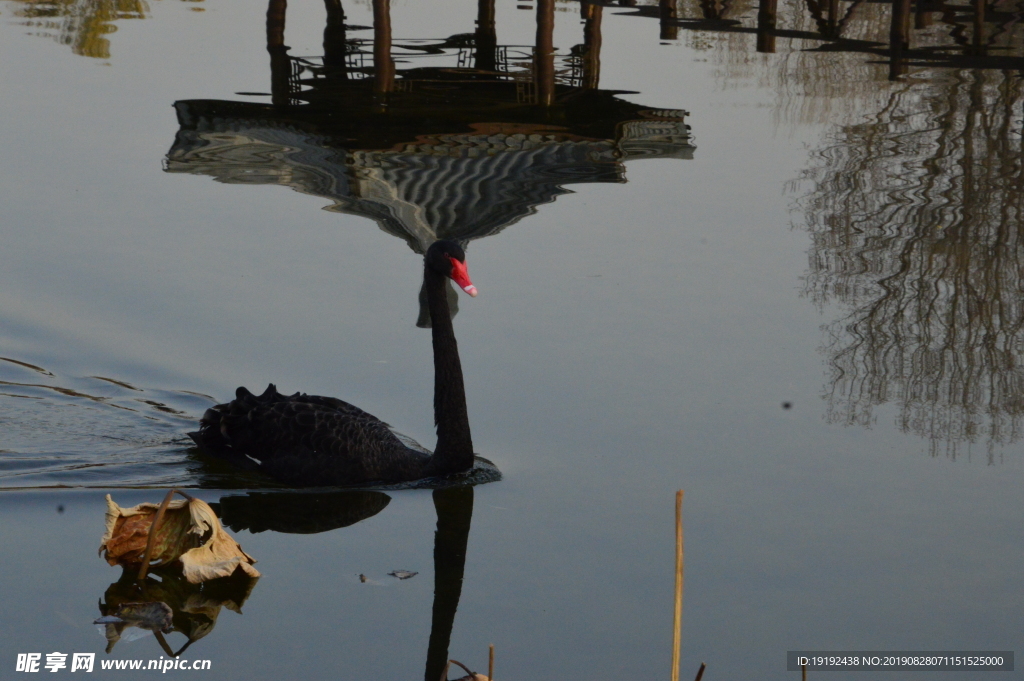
x=157 y=519
x=700 y=672
x=163 y=643
x=490 y=664
x=677 y=623
x=184 y=647
x=444 y=674
x=803 y=672
x=468 y=670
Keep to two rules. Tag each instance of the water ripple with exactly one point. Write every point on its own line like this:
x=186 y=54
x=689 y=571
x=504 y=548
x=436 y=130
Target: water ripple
x=95 y=431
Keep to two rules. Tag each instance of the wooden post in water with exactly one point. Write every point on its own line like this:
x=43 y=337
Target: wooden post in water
x=486 y=37
x=334 y=39
x=711 y=9
x=591 y=44
x=922 y=15
x=767 y=11
x=544 y=57
x=668 y=13
x=677 y=622
x=383 y=65
x=899 y=37
x=276 y=11
x=280 y=64
x=833 y=19
x=978 y=39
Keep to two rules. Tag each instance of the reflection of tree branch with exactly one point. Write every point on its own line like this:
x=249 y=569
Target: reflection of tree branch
x=915 y=224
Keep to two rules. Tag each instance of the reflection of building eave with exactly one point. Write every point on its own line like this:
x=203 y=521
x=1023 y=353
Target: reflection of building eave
x=459 y=186
x=668 y=138
x=419 y=197
x=468 y=193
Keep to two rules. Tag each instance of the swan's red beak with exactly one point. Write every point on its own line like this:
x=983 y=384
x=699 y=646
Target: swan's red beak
x=460 y=275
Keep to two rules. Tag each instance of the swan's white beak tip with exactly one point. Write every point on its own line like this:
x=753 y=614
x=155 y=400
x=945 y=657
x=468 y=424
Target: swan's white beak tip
x=471 y=290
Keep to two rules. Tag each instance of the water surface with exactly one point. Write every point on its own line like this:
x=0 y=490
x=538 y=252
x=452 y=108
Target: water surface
x=778 y=268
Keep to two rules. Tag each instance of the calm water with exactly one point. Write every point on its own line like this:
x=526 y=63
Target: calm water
x=787 y=281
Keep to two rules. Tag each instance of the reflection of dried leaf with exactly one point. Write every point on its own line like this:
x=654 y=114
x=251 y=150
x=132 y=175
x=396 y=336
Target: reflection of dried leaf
x=195 y=606
x=146 y=617
x=189 y=532
x=153 y=615
x=403 y=574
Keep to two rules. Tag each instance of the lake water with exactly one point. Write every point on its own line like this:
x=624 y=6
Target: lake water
x=775 y=269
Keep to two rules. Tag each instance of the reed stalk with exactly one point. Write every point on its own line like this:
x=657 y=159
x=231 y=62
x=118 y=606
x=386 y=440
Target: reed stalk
x=677 y=628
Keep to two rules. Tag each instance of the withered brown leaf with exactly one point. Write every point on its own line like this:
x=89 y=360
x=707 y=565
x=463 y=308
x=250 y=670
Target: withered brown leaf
x=189 y=532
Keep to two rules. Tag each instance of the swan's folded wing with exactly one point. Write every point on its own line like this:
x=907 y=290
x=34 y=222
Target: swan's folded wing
x=302 y=439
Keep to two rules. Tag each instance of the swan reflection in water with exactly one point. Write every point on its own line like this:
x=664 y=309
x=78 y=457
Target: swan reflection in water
x=313 y=512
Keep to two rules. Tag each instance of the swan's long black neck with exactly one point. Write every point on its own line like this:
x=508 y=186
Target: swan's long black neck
x=454 y=451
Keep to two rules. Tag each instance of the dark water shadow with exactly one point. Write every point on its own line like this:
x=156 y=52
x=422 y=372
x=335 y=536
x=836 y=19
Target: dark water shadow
x=298 y=512
x=318 y=511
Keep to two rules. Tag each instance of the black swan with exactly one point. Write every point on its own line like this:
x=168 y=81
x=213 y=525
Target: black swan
x=321 y=441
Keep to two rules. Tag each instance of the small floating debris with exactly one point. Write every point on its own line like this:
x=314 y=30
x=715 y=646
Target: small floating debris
x=370 y=581
x=402 y=574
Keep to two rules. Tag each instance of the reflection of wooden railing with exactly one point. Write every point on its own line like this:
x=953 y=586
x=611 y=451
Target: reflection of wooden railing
x=511 y=63
x=537 y=70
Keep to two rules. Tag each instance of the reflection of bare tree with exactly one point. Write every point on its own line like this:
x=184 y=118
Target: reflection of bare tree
x=825 y=61
x=916 y=225
x=810 y=86
x=82 y=24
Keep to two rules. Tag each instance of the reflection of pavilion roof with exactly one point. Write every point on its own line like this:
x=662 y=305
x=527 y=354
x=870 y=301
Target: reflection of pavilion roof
x=428 y=166
x=462 y=186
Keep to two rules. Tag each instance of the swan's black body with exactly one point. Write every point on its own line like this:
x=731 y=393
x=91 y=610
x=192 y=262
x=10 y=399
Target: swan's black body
x=319 y=441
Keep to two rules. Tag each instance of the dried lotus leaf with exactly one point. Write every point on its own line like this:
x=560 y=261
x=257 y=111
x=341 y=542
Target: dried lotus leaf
x=189 y=532
x=127 y=531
